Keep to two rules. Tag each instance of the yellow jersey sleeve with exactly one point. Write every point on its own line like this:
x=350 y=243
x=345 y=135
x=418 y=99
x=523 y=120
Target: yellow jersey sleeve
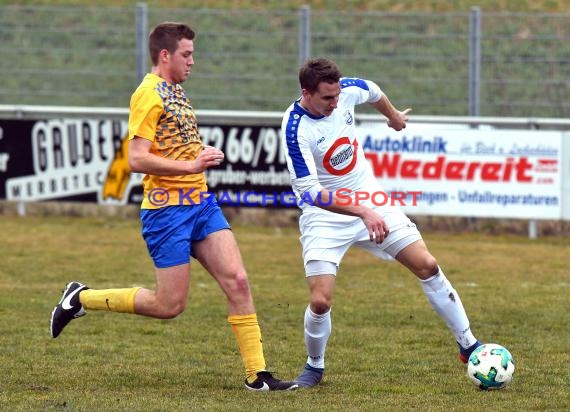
x=145 y=110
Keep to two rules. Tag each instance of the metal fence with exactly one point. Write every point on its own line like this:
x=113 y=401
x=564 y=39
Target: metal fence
x=454 y=64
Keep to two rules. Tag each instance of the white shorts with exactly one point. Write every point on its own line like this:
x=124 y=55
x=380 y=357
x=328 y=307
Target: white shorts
x=329 y=241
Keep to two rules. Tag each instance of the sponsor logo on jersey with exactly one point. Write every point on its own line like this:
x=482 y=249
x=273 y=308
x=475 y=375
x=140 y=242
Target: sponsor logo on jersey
x=341 y=157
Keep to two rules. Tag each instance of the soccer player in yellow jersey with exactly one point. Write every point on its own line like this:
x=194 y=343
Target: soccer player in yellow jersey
x=165 y=145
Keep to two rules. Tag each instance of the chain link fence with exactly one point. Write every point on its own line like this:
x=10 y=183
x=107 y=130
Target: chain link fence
x=498 y=64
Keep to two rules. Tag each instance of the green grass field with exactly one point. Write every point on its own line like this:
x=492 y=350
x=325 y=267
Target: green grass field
x=388 y=350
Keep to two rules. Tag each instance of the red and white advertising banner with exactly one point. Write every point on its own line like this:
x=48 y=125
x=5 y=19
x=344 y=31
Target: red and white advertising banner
x=469 y=172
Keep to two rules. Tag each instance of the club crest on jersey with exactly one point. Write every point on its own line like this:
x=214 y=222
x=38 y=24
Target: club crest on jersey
x=348 y=117
x=340 y=159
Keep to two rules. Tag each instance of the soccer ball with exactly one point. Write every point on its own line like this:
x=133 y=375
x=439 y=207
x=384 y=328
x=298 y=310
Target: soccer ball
x=490 y=366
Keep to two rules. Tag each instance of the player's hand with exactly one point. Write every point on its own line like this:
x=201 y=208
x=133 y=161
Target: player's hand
x=377 y=227
x=399 y=119
x=209 y=157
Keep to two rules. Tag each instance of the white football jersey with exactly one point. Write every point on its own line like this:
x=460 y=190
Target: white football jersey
x=323 y=152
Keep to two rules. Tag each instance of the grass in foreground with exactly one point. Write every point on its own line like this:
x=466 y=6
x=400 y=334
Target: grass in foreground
x=388 y=350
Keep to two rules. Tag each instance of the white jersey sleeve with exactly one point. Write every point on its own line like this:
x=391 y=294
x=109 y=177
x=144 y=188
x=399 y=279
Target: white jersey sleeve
x=360 y=90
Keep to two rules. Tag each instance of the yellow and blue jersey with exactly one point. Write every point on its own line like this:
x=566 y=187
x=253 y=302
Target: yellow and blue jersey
x=161 y=113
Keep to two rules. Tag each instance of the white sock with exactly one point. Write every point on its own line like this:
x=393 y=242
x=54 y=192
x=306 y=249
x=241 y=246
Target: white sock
x=317 y=331
x=446 y=302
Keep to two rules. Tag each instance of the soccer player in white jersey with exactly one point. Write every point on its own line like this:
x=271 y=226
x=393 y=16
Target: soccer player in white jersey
x=323 y=157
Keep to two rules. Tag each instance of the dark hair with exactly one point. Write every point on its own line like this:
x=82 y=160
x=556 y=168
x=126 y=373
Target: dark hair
x=317 y=70
x=166 y=36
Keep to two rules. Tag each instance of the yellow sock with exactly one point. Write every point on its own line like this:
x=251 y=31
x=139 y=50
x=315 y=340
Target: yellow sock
x=113 y=300
x=248 y=336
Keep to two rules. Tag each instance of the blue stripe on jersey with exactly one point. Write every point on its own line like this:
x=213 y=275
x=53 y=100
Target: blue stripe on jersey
x=299 y=165
x=353 y=81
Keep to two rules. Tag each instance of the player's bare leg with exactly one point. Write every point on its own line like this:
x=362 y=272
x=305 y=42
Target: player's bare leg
x=220 y=256
x=170 y=296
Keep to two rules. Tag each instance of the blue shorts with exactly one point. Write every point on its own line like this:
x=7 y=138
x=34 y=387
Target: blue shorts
x=170 y=231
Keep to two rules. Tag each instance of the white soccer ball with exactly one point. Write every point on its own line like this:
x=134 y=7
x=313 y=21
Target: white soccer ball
x=491 y=366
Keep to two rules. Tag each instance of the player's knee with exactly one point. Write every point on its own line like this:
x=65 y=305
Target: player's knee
x=320 y=305
x=173 y=309
x=428 y=267
x=238 y=284
x=242 y=283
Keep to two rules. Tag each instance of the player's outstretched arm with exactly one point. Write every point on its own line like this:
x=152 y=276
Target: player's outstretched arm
x=396 y=119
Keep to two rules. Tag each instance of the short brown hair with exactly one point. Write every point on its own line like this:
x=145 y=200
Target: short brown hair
x=166 y=36
x=317 y=70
